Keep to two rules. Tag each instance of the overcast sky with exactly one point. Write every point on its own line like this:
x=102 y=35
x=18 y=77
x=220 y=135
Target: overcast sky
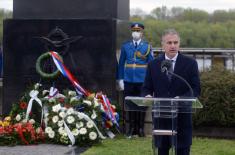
x=148 y=5
x=207 y=5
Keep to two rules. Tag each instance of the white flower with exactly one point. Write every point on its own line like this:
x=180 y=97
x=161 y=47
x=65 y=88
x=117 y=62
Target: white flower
x=61 y=130
x=37 y=85
x=62 y=114
x=51 y=134
x=72 y=93
x=32 y=121
x=93 y=116
x=24 y=121
x=89 y=124
x=48 y=129
x=55 y=119
x=79 y=125
x=70 y=119
x=56 y=108
x=92 y=135
x=75 y=132
x=70 y=111
x=96 y=103
x=64 y=134
x=64 y=139
x=18 y=117
x=60 y=123
x=72 y=99
x=87 y=102
x=83 y=131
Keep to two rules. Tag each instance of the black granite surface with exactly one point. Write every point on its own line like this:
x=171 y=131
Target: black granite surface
x=67 y=9
x=92 y=59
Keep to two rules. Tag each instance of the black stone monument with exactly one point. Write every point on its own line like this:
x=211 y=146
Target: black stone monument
x=92 y=58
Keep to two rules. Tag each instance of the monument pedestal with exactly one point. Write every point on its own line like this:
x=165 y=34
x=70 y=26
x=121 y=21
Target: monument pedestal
x=92 y=59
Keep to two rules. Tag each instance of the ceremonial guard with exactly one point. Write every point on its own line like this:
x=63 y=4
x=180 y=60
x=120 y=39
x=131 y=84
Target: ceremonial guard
x=135 y=54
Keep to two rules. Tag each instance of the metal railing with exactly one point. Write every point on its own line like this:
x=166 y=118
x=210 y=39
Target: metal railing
x=206 y=57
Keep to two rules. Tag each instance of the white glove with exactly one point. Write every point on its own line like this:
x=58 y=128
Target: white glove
x=149 y=96
x=120 y=85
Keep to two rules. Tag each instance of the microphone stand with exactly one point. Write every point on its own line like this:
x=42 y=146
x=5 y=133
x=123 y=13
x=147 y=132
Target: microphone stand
x=181 y=78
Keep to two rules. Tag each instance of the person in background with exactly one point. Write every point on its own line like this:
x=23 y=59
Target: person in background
x=135 y=54
x=161 y=85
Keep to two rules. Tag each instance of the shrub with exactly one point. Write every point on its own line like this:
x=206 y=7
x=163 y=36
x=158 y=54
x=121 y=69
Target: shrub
x=217 y=97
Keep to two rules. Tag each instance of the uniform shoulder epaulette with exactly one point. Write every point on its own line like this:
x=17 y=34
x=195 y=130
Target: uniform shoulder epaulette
x=146 y=42
x=127 y=42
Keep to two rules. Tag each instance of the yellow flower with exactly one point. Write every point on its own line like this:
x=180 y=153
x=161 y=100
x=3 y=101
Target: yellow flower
x=0 y=123
x=8 y=118
x=5 y=123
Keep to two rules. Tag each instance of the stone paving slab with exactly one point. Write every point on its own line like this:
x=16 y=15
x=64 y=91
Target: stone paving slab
x=41 y=149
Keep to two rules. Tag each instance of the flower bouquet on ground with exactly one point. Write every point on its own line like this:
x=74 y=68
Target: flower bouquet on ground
x=71 y=119
x=65 y=118
x=67 y=126
x=19 y=133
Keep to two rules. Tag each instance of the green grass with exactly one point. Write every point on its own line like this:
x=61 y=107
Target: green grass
x=143 y=146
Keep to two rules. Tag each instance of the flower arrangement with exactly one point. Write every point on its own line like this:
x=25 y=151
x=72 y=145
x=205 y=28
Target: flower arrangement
x=19 y=133
x=67 y=126
x=71 y=117
x=65 y=118
x=75 y=120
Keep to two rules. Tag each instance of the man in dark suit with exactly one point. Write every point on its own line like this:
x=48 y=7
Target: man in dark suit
x=158 y=84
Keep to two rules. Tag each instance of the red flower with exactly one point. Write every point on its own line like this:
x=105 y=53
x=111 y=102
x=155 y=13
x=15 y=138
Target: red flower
x=23 y=105
x=61 y=100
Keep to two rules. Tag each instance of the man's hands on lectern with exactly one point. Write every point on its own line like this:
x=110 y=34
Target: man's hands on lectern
x=148 y=95
x=120 y=85
x=148 y=102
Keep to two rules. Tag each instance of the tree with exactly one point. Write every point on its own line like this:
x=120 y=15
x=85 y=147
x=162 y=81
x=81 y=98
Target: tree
x=195 y=15
x=160 y=13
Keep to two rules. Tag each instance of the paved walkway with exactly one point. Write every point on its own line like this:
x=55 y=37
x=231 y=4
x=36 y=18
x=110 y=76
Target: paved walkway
x=41 y=149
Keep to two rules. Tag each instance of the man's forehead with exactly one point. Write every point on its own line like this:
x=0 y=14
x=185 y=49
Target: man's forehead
x=171 y=37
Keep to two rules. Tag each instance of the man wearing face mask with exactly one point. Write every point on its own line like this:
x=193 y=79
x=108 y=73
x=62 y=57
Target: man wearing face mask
x=135 y=54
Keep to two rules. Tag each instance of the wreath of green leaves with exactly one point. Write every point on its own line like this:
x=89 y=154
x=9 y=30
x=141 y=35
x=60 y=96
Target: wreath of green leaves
x=39 y=68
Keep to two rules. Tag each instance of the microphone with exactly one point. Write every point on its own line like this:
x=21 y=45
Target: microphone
x=165 y=67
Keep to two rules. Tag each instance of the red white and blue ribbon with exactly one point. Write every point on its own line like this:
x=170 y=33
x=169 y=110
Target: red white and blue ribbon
x=109 y=111
x=64 y=70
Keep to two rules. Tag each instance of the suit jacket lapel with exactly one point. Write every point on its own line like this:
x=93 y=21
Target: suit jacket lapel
x=163 y=75
x=178 y=63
